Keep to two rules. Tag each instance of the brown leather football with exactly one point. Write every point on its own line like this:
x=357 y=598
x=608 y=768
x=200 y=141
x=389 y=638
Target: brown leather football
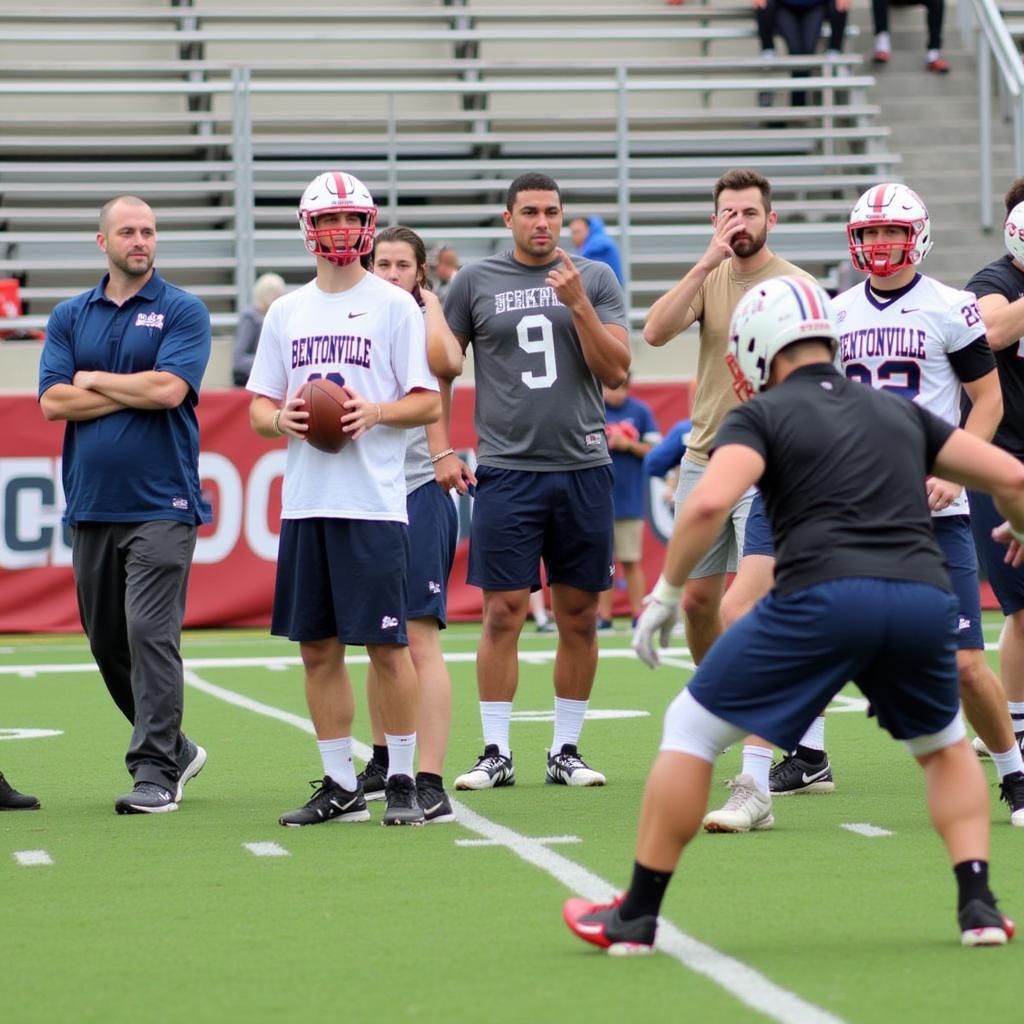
x=325 y=403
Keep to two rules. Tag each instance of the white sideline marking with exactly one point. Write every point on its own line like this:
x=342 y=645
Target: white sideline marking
x=740 y=981
x=546 y=840
x=266 y=849
x=28 y=734
x=33 y=858
x=863 y=829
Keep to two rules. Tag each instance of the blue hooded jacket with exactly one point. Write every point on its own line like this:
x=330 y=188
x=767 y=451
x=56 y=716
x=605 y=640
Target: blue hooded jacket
x=600 y=247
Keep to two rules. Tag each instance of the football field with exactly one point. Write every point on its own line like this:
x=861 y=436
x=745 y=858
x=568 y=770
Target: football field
x=845 y=911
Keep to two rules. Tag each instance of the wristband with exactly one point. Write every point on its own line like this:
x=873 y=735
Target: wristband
x=665 y=593
x=277 y=424
x=380 y=414
x=441 y=455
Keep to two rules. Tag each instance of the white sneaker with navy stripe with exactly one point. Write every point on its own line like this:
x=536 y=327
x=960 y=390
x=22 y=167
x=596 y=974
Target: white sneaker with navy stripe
x=567 y=768
x=492 y=769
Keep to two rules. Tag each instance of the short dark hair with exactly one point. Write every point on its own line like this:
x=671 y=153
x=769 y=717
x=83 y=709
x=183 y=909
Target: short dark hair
x=740 y=178
x=400 y=233
x=531 y=182
x=126 y=197
x=1015 y=194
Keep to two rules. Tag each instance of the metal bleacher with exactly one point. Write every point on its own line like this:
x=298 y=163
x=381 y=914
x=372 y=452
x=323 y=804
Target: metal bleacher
x=219 y=113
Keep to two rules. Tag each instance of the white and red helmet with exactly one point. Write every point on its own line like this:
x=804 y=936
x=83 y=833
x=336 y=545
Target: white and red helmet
x=1013 y=233
x=772 y=315
x=337 y=192
x=884 y=205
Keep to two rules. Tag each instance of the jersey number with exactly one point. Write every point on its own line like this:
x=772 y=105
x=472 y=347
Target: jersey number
x=544 y=344
x=909 y=371
x=335 y=378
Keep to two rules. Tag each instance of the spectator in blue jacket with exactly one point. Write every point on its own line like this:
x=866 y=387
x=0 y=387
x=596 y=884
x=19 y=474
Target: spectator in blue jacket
x=592 y=240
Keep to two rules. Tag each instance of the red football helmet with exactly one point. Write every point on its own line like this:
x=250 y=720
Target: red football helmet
x=337 y=192
x=882 y=205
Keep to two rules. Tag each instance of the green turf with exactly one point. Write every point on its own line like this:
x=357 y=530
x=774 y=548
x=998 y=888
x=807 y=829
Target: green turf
x=169 y=918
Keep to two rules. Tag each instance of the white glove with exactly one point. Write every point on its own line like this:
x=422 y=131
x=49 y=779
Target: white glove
x=660 y=614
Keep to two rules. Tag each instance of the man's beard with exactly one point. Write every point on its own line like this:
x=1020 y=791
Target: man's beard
x=132 y=270
x=750 y=247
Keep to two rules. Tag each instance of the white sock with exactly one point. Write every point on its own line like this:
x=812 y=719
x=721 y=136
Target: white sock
x=540 y=616
x=495 y=717
x=756 y=763
x=336 y=756
x=767 y=54
x=932 y=55
x=1009 y=762
x=569 y=716
x=882 y=42
x=1016 y=708
x=815 y=735
x=401 y=751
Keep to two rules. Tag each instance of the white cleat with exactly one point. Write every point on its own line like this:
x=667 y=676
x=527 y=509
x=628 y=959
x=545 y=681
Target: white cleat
x=746 y=810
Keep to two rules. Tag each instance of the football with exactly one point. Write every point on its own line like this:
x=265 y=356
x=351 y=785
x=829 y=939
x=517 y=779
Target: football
x=325 y=403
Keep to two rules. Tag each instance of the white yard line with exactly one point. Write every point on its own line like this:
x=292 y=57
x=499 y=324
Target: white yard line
x=863 y=829
x=266 y=849
x=33 y=858
x=738 y=979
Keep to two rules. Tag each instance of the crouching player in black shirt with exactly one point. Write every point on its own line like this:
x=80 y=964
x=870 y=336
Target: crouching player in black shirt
x=842 y=471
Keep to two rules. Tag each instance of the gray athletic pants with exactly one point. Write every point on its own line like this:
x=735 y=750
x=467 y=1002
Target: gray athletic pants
x=131 y=580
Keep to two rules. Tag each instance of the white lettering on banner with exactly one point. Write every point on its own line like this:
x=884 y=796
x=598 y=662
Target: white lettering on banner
x=31 y=503
x=220 y=470
x=261 y=539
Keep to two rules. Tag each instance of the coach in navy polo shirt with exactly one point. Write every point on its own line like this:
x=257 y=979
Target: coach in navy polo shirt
x=122 y=364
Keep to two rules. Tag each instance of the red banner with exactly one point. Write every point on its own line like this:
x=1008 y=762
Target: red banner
x=233 y=571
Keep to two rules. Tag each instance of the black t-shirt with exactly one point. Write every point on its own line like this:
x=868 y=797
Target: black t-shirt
x=844 y=478
x=1002 y=278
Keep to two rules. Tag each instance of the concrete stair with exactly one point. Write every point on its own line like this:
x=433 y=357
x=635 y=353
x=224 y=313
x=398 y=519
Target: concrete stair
x=934 y=121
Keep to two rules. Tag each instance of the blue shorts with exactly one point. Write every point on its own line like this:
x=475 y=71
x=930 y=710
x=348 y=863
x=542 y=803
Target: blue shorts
x=777 y=667
x=757 y=540
x=341 y=578
x=433 y=536
x=954 y=536
x=520 y=517
x=1007 y=582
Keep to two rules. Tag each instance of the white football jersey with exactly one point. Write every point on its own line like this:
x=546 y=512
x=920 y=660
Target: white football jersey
x=903 y=345
x=371 y=339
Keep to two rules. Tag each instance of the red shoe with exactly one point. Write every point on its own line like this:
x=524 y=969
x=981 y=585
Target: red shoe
x=981 y=924
x=881 y=57
x=600 y=925
x=939 y=66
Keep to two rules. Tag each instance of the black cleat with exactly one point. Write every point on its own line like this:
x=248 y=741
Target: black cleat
x=146 y=798
x=12 y=800
x=567 y=768
x=403 y=805
x=602 y=925
x=491 y=770
x=437 y=808
x=981 y=924
x=329 y=803
x=372 y=778
x=1011 y=790
x=795 y=775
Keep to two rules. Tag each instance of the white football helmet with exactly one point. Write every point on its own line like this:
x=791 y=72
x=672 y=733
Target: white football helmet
x=1013 y=233
x=889 y=204
x=772 y=315
x=337 y=192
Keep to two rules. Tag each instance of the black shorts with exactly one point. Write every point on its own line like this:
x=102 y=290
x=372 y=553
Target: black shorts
x=433 y=537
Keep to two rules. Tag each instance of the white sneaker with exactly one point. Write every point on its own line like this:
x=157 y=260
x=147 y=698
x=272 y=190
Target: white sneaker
x=979 y=747
x=747 y=808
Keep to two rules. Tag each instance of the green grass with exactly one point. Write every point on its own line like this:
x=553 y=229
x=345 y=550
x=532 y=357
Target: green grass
x=169 y=918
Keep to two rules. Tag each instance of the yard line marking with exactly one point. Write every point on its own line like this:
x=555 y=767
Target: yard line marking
x=547 y=840
x=33 y=858
x=266 y=849
x=28 y=734
x=742 y=982
x=863 y=829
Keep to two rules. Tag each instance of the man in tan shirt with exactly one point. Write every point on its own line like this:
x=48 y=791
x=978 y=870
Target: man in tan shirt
x=736 y=258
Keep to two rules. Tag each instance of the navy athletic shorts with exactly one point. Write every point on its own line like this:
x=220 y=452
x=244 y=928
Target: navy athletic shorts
x=774 y=670
x=433 y=536
x=520 y=517
x=758 y=537
x=341 y=578
x=1007 y=582
x=954 y=536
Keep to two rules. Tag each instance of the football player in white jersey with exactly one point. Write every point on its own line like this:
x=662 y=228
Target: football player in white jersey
x=342 y=558
x=905 y=332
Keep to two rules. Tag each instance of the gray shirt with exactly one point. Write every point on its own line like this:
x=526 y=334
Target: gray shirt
x=538 y=406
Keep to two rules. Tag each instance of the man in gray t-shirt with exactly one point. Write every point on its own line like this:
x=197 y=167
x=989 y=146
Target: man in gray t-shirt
x=546 y=332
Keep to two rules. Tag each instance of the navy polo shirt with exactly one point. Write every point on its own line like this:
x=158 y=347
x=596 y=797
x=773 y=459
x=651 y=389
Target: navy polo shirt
x=630 y=478
x=135 y=464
